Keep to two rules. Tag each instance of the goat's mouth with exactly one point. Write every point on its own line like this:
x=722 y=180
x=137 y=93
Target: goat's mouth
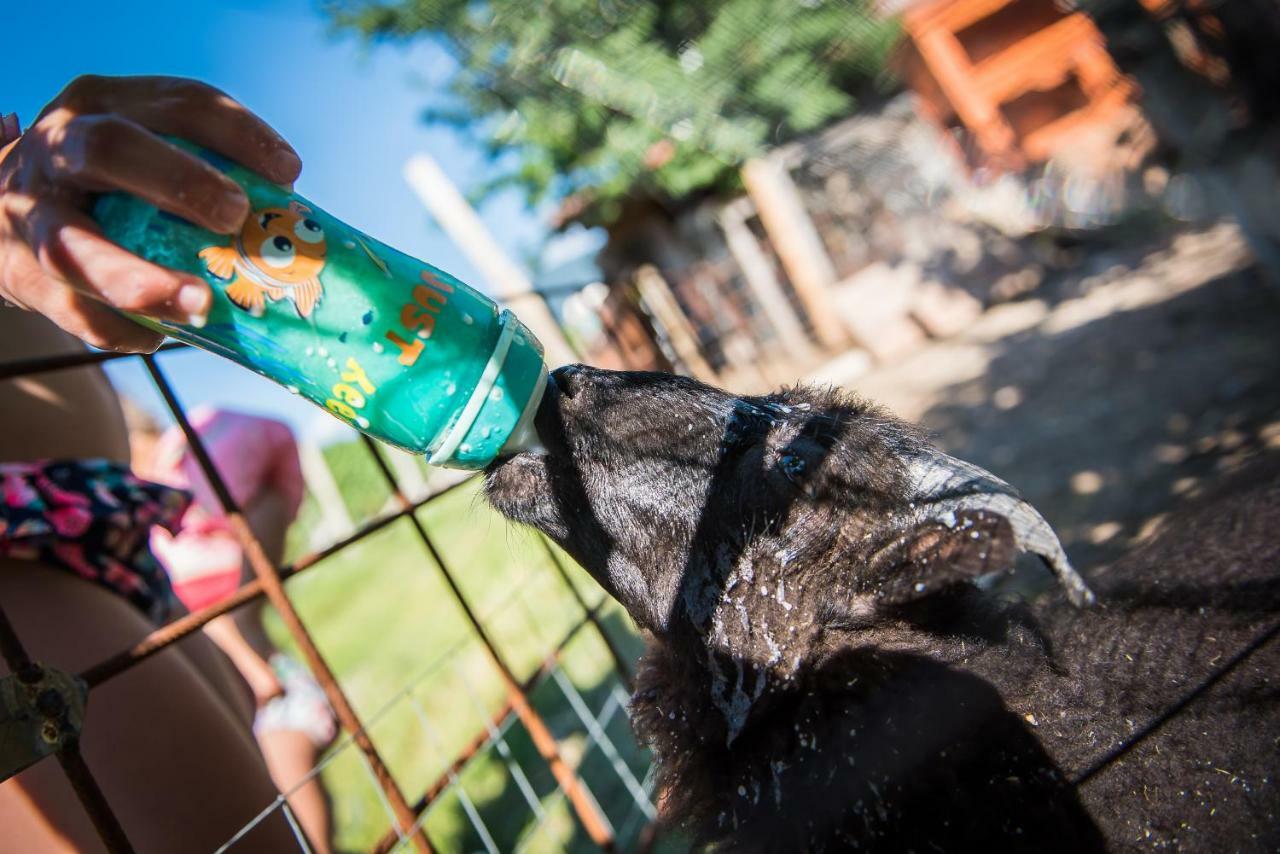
x=547 y=425
x=549 y=419
x=518 y=486
x=518 y=483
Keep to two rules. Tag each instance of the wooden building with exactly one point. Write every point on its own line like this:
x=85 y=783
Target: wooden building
x=1021 y=76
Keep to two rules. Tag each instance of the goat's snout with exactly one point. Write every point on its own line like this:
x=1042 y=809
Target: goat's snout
x=567 y=380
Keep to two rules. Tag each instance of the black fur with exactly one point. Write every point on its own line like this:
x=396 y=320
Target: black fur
x=823 y=675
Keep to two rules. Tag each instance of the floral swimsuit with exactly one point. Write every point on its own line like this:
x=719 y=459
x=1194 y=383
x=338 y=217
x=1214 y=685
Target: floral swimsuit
x=92 y=518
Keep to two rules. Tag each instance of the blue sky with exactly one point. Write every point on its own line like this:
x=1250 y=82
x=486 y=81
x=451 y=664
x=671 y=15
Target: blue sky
x=352 y=112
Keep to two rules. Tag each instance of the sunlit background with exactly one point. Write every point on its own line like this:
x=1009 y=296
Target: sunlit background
x=353 y=112
x=1044 y=230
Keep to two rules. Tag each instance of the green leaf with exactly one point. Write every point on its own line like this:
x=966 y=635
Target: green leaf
x=581 y=90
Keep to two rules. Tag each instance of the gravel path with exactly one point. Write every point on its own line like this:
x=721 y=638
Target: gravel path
x=1113 y=394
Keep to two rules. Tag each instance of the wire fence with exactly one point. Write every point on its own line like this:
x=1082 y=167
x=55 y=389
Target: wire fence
x=59 y=703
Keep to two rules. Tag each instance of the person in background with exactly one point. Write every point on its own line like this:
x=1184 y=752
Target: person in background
x=167 y=740
x=257 y=458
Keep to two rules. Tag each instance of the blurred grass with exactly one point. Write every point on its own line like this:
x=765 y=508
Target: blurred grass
x=416 y=673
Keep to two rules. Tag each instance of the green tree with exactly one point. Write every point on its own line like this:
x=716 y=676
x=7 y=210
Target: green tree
x=614 y=97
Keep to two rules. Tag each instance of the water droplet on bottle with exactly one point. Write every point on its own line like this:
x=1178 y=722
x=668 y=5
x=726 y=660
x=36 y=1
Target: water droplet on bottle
x=377 y=347
x=367 y=318
x=349 y=244
x=363 y=422
x=292 y=389
x=333 y=363
x=495 y=395
x=464 y=448
x=323 y=352
x=343 y=337
x=449 y=389
x=486 y=432
x=423 y=334
x=311 y=351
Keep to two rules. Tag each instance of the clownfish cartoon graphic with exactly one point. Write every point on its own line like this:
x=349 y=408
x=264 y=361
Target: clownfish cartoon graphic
x=278 y=254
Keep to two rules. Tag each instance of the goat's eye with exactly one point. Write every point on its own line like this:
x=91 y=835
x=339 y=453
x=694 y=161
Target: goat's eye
x=792 y=466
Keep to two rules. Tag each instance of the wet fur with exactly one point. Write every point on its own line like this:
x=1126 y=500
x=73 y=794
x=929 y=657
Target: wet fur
x=823 y=674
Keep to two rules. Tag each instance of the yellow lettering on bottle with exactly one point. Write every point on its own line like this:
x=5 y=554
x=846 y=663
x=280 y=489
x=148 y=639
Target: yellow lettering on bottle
x=348 y=394
x=339 y=408
x=355 y=374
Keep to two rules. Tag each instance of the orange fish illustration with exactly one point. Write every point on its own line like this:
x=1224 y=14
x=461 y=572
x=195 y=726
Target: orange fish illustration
x=278 y=254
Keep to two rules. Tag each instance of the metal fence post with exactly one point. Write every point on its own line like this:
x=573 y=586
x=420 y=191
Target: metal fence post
x=584 y=804
x=273 y=587
x=73 y=765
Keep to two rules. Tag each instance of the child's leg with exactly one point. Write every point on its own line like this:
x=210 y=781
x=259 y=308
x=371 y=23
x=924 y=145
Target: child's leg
x=290 y=755
x=178 y=768
x=169 y=741
x=69 y=414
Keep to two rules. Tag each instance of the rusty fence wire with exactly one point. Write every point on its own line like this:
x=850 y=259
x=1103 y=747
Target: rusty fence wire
x=59 y=705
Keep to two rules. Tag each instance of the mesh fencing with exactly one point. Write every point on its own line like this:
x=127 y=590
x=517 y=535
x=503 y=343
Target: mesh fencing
x=519 y=725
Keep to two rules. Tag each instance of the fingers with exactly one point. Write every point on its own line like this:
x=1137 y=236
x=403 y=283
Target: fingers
x=97 y=325
x=83 y=317
x=102 y=133
x=9 y=128
x=194 y=111
x=101 y=152
x=69 y=248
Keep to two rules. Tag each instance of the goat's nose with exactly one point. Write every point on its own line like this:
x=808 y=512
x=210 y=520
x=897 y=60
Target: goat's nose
x=568 y=379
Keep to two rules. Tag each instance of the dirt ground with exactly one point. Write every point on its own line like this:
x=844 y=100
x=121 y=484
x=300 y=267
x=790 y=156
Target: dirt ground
x=1112 y=395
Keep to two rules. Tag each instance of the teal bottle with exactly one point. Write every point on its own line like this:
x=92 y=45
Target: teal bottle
x=396 y=348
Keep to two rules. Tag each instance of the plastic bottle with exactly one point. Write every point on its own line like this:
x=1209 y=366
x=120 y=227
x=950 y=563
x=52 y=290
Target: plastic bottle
x=396 y=348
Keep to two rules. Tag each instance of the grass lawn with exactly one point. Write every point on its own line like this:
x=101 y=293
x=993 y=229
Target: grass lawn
x=416 y=672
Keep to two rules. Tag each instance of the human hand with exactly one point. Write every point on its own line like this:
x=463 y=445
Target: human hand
x=102 y=134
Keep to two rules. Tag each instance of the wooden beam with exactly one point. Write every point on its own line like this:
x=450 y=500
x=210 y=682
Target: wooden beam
x=508 y=282
x=798 y=245
x=1040 y=61
x=759 y=274
x=950 y=66
x=657 y=295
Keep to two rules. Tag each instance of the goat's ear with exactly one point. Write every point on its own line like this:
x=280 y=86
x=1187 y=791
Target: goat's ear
x=936 y=553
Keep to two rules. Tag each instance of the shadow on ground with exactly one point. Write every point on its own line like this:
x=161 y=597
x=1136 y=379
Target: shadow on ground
x=1109 y=424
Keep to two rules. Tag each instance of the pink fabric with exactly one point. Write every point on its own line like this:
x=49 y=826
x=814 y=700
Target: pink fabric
x=253 y=455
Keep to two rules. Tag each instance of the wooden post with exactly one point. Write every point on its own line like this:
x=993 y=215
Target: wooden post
x=760 y=277
x=798 y=245
x=509 y=283
x=657 y=295
x=410 y=477
x=947 y=61
x=335 y=518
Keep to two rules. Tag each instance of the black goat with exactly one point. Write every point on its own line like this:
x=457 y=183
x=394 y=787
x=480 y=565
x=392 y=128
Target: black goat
x=823 y=674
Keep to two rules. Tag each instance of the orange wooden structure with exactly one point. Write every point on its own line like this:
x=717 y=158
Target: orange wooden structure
x=1020 y=75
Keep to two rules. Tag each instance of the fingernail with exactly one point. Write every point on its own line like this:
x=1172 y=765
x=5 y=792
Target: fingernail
x=231 y=209
x=193 y=301
x=10 y=129
x=286 y=164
